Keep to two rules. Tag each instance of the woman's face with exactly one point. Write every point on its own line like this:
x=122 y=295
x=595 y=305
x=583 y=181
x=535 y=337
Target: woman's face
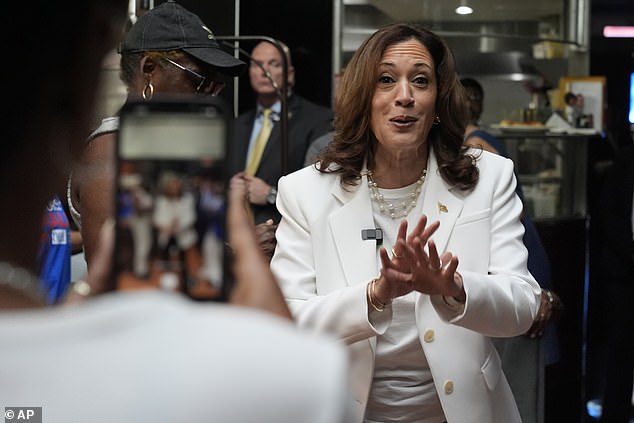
x=403 y=104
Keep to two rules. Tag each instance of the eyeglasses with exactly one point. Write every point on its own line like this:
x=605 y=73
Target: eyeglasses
x=200 y=82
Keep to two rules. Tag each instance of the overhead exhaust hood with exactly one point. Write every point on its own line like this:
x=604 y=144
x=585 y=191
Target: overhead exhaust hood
x=506 y=66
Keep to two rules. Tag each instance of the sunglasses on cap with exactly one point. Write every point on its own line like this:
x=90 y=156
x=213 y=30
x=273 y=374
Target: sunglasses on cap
x=202 y=84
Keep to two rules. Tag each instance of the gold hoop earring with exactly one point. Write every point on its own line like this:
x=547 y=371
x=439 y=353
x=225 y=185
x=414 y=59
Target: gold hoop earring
x=148 y=88
x=437 y=120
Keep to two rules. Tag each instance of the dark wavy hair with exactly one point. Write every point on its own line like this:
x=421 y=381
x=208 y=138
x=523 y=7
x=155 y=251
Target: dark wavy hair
x=353 y=142
x=475 y=98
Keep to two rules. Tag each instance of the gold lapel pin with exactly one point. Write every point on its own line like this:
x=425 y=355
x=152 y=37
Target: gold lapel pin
x=442 y=208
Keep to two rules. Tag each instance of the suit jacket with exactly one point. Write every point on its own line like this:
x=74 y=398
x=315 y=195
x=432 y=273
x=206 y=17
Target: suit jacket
x=323 y=267
x=306 y=122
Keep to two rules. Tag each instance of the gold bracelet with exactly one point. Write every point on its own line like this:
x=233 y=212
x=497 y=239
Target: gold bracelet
x=369 y=296
x=454 y=301
x=372 y=297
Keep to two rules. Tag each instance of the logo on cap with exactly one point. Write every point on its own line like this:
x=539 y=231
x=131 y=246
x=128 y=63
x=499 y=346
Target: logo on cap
x=211 y=34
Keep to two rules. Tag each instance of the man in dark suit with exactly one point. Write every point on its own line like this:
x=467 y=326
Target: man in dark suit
x=306 y=121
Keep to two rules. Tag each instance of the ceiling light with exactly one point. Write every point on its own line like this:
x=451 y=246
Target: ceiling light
x=464 y=10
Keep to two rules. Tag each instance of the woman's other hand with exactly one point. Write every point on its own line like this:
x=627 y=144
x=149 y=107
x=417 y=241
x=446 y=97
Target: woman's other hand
x=550 y=308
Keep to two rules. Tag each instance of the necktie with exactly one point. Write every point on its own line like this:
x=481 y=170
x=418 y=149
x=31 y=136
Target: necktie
x=260 y=143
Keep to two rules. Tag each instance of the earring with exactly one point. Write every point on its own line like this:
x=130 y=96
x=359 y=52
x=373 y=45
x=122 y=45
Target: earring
x=148 y=91
x=437 y=120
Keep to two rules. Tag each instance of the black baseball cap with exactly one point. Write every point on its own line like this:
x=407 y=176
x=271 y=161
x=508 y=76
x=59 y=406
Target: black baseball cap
x=169 y=26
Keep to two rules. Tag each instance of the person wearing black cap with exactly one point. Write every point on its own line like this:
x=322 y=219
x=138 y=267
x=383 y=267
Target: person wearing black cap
x=169 y=50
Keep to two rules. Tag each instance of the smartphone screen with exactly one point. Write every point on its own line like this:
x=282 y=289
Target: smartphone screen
x=170 y=198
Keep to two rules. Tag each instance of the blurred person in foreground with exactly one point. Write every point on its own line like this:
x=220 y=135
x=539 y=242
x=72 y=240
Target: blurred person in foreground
x=524 y=357
x=130 y=357
x=168 y=51
x=407 y=245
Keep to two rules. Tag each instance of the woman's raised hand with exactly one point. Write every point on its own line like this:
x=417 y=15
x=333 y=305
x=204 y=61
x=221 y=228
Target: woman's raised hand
x=416 y=265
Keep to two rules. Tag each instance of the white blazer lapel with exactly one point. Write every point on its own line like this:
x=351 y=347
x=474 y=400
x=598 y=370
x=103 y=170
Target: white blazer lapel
x=440 y=204
x=357 y=256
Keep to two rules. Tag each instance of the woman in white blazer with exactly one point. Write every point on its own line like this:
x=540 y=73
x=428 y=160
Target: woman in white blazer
x=407 y=246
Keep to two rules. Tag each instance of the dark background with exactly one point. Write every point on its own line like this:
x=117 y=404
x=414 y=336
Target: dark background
x=305 y=26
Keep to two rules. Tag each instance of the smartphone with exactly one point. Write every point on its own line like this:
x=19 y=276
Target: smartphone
x=171 y=197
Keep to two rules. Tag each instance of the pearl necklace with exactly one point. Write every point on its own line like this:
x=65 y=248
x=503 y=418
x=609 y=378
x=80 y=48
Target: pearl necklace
x=21 y=279
x=396 y=210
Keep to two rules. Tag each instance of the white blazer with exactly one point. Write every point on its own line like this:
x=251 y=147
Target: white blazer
x=323 y=266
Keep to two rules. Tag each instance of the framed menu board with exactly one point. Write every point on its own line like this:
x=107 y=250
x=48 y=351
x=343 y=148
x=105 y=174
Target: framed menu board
x=592 y=88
